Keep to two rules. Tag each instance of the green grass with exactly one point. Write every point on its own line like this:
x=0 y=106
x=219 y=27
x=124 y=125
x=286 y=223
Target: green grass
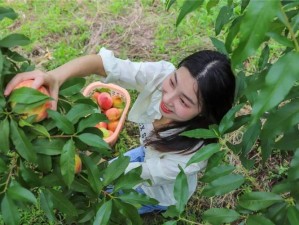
x=139 y=30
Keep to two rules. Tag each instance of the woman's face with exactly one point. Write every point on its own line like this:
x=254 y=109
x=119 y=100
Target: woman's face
x=179 y=96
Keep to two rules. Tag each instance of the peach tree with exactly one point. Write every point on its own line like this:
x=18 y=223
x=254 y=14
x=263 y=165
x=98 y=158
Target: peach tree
x=261 y=38
x=37 y=159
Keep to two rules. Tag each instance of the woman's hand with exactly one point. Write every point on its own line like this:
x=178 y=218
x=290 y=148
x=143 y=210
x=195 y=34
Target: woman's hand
x=39 y=78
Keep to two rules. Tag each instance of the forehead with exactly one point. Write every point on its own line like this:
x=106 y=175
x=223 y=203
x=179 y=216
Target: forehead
x=186 y=83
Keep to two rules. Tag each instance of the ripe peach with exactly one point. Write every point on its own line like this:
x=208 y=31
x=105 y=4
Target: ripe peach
x=95 y=96
x=117 y=102
x=106 y=133
x=105 y=100
x=39 y=111
x=112 y=125
x=78 y=164
x=102 y=124
x=113 y=114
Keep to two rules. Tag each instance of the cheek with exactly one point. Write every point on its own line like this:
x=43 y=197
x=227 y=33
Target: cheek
x=185 y=113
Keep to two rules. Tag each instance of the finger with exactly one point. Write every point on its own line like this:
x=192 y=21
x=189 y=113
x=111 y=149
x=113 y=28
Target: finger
x=18 y=79
x=54 y=94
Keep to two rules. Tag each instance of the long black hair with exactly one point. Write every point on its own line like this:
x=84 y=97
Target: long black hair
x=216 y=89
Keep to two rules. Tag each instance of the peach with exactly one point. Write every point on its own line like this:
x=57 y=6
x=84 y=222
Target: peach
x=117 y=102
x=105 y=100
x=113 y=114
x=102 y=124
x=41 y=110
x=78 y=164
x=106 y=133
x=95 y=96
x=113 y=125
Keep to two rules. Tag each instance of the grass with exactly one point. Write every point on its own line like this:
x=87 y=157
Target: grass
x=139 y=30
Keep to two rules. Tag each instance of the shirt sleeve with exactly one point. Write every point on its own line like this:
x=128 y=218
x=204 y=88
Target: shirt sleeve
x=163 y=170
x=132 y=75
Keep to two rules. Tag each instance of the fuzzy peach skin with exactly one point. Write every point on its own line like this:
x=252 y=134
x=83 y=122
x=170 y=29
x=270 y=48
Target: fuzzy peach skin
x=39 y=111
x=113 y=114
x=105 y=100
x=78 y=164
x=113 y=125
x=117 y=102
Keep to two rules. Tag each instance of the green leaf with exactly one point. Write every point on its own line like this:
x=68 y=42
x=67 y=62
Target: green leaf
x=3 y=166
x=263 y=60
x=14 y=40
x=233 y=31
x=48 y=147
x=137 y=199
x=258 y=219
x=44 y=163
x=21 y=142
x=223 y=185
x=187 y=7
x=67 y=162
x=258 y=200
x=281 y=120
x=219 y=45
x=228 y=120
x=200 y=133
x=293 y=170
x=18 y=193
x=204 y=153
x=62 y=203
x=46 y=205
x=72 y=86
x=9 y=211
x=4 y=137
x=26 y=95
x=115 y=169
x=171 y=212
x=93 y=140
x=220 y=215
x=277 y=86
x=128 y=211
x=171 y=222
x=250 y=137
x=93 y=174
x=91 y=121
x=253 y=28
x=281 y=39
x=223 y=18
x=169 y=3
x=211 y=4
x=217 y=172
x=103 y=214
x=7 y=12
x=62 y=122
x=79 y=111
x=181 y=190
x=129 y=180
x=293 y=215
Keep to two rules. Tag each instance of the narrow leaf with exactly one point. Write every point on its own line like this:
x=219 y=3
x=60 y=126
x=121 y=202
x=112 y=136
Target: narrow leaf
x=223 y=185
x=79 y=111
x=47 y=205
x=93 y=140
x=67 y=162
x=204 y=153
x=14 y=40
x=21 y=142
x=9 y=211
x=258 y=219
x=26 y=95
x=19 y=193
x=91 y=121
x=220 y=215
x=293 y=215
x=135 y=198
x=258 y=200
x=181 y=190
x=188 y=6
x=217 y=172
x=4 y=137
x=200 y=133
x=103 y=214
x=62 y=122
x=7 y=12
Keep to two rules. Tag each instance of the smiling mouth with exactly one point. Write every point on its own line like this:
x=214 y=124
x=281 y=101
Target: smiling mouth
x=164 y=108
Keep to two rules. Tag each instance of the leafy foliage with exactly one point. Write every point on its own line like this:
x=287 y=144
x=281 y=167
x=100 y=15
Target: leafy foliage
x=37 y=160
x=268 y=87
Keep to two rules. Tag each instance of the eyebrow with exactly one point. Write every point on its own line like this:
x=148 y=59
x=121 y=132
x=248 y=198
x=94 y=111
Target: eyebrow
x=185 y=96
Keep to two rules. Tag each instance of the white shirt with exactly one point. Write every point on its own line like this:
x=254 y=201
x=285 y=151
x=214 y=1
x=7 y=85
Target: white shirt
x=160 y=167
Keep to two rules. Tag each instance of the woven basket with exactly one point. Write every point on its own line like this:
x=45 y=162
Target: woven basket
x=114 y=90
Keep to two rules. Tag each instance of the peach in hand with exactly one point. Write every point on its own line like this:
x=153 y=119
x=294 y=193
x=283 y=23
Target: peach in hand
x=41 y=110
x=105 y=100
x=78 y=164
x=113 y=114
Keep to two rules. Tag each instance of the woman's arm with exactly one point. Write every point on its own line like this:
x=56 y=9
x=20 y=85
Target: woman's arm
x=79 y=67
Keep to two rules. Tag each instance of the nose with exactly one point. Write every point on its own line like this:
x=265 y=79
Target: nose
x=169 y=97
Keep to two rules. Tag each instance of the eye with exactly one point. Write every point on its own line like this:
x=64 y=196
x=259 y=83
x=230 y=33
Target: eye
x=183 y=102
x=171 y=83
